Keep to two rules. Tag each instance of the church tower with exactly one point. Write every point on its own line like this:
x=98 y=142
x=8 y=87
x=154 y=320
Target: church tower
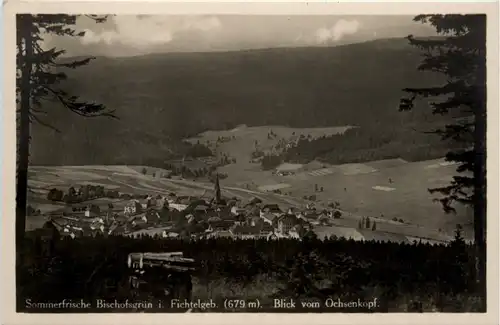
x=217 y=189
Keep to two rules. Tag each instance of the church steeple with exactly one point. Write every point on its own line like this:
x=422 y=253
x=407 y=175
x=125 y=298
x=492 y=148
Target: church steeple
x=217 y=189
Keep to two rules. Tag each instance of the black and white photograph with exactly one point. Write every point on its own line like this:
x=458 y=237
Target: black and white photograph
x=251 y=163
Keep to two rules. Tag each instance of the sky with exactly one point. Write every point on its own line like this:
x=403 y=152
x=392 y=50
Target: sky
x=129 y=35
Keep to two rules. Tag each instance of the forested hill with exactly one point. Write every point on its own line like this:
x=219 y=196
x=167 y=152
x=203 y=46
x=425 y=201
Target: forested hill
x=161 y=98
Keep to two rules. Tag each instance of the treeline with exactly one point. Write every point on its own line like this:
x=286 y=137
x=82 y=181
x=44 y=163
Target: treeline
x=84 y=267
x=87 y=193
x=198 y=150
x=249 y=87
x=84 y=193
x=270 y=161
x=367 y=144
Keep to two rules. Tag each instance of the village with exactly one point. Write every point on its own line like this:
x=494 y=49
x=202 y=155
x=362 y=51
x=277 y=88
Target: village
x=173 y=216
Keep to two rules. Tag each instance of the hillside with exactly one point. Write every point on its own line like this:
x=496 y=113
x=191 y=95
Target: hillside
x=162 y=98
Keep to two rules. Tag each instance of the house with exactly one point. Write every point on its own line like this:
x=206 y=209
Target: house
x=272 y=208
x=308 y=215
x=152 y=215
x=219 y=225
x=224 y=213
x=180 y=203
x=293 y=233
x=201 y=209
x=268 y=217
x=92 y=210
x=285 y=223
x=270 y=212
x=171 y=197
x=186 y=200
x=253 y=202
x=255 y=221
x=252 y=210
x=323 y=219
x=265 y=228
x=151 y=201
x=72 y=232
x=133 y=207
x=246 y=232
x=276 y=236
x=169 y=234
x=178 y=206
x=160 y=201
x=235 y=210
x=190 y=218
x=214 y=219
x=220 y=234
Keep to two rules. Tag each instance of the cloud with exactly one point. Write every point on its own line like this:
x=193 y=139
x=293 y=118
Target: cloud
x=338 y=31
x=144 y=31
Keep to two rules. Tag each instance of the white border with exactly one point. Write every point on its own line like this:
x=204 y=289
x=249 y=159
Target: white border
x=290 y=8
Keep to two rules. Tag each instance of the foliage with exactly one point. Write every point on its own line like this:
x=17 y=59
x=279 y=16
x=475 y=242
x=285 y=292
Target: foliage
x=368 y=143
x=30 y=211
x=270 y=162
x=38 y=77
x=461 y=56
x=85 y=193
x=311 y=268
x=199 y=150
x=45 y=76
x=261 y=87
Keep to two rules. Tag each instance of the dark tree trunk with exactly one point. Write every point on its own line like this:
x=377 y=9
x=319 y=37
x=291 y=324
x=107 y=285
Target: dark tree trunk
x=24 y=30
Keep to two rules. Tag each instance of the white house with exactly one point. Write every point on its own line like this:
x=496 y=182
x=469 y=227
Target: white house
x=178 y=206
x=237 y=210
x=132 y=207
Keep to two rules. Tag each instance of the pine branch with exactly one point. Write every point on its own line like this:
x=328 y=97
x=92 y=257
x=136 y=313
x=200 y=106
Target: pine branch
x=81 y=108
x=35 y=118
x=75 y=64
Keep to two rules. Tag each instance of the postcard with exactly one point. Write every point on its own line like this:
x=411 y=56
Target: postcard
x=250 y=162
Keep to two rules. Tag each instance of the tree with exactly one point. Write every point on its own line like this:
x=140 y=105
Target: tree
x=460 y=55
x=55 y=195
x=39 y=71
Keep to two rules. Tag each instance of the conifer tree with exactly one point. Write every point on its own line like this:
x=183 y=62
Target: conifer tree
x=460 y=55
x=39 y=71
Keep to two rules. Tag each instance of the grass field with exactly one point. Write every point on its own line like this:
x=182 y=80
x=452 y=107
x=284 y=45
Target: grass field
x=243 y=141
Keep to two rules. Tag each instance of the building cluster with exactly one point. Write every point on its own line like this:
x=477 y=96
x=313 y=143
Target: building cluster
x=193 y=217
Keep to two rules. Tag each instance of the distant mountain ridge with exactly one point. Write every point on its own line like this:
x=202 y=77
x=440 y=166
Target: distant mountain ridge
x=162 y=98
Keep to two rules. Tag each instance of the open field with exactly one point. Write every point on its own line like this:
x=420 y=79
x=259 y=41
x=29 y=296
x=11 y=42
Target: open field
x=242 y=141
x=390 y=190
